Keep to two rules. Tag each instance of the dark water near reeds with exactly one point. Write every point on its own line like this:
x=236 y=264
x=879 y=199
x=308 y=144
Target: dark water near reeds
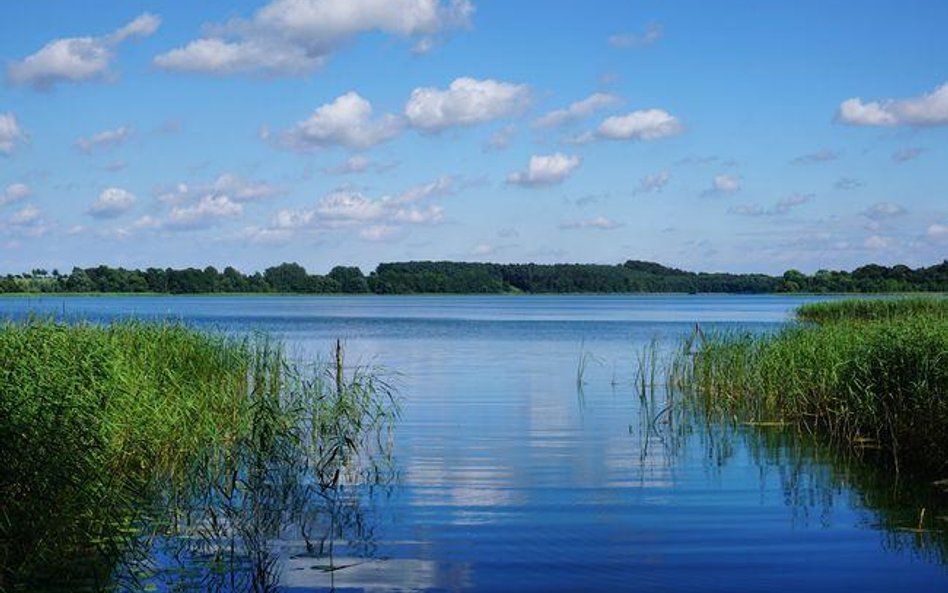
x=511 y=477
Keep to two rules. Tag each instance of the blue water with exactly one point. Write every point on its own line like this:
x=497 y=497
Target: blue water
x=510 y=478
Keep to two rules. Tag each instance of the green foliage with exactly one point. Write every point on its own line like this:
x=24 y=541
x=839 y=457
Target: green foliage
x=98 y=421
x=422 y=277
x=873 y=309
x=873 y=375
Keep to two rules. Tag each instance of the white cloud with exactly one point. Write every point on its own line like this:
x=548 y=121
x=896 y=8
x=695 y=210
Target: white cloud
x=429 y=215
x=234 y=187
x=111 y=203
x=600 y=223
x=25 y=216
x=105 y=139
x=577 y=110
x=10 y=133
x=482 y=249
x=442 y=186
x=347 y=121
x=644 y=124
x=724 y=184
x=544 y=170
x=207 y=212
x=465 y=102
x=937 y=232
x=652 y=33
x=374 y=218
x=883 y=211
x=500 y=139
x=350 y=206
x=28 y=222
x=380 y=232
x=354 y=164
x=77 y=59
x=292 y=37
x=877 y=242
x=14 y=193
x=265 y=236
x=654 y=182
x=783 y=206
x=930 y=109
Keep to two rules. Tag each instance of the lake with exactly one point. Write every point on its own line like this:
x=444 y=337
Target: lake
x=512 y=475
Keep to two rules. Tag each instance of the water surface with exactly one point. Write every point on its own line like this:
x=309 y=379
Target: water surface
x=511 y=478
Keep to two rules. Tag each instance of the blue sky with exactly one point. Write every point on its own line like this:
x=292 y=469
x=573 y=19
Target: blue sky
x=707 y=135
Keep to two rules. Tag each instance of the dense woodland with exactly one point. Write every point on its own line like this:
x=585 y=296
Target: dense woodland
x=459 y=277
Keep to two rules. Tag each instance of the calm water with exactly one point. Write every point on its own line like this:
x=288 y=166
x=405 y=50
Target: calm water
x=512 y=479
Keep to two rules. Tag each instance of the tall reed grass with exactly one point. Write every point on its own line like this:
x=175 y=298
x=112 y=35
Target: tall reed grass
x=97 y=423
x=872 y=375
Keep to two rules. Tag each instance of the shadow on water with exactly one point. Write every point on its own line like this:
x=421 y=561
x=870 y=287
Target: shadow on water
x=298 y=484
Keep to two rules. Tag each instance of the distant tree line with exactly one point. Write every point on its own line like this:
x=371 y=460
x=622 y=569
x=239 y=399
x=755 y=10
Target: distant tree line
x=460 y=277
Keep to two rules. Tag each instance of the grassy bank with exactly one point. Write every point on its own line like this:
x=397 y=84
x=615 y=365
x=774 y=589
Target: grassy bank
x=872 y=375
x=96 y=422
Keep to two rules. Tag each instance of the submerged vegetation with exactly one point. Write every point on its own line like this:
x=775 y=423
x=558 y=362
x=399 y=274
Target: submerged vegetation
x=870 y=375
x=116 y=439
x=463 y=277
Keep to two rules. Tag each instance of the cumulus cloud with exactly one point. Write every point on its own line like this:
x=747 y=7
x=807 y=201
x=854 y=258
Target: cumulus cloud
x=465 y=102
x=26 y=216
x=347 y=122
x=14 y=193
x=28 y=222
x=652 y=33
x=723 y=185
x=644 y=124
x=577 y=110
x=104 y=139
x=883 y=211
x=293 y=37
x=820 y=156
x=648 y=124
x=930 y=109
x=235 y=187
x=111 y=203
x=600 y=223
x=654 y=182
x=207 y=212
x=10 y=134
x=77 y=59
x=877 y=242
x=783 y=206
x=374 y=219
x=545 y=170
x=937 y=232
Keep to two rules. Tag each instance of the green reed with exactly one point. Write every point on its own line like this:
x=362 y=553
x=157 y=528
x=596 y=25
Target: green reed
x=882 y=309
x=872 y=375
x=98 y=423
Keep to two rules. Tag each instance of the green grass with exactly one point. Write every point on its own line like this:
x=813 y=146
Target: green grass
x=884 y=309
x=872 y=375
x=98 y=421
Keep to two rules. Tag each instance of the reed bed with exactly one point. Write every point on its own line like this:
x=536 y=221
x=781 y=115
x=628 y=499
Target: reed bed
x=872 y=375
x=879 y=309
x=97 y=423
